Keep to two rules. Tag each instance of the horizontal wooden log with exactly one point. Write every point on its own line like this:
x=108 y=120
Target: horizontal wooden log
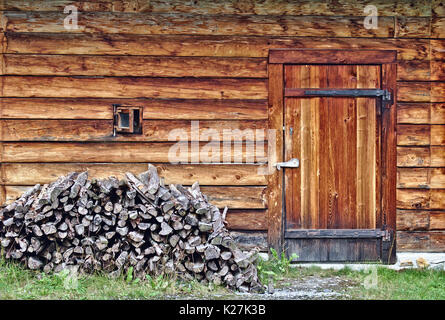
x=146 y=23
x=127 y=152
x=254 y=220
x=420 y=199
x=437 y=49
x=140 y=66
x=274 y=7
x=205 y=174
x=212 y=46
x=437 y=220
x=152 y=130
x=79 y=108
x=420 y=135
x=421 y=91
x=331 y=56
x=437 y=70
x=413 y=220
x=421 y=178
x=421 y=113
x=413 y=27
x=414 y=70
x=333 y=233
x=123 y=87
x=232 y=197
x=438 y=27
x=421 y=241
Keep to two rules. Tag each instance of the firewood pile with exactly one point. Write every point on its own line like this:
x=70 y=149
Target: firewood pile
x=113 y=225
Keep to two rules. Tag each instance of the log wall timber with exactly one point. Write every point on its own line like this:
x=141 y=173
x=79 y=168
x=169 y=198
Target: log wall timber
x=206 y=61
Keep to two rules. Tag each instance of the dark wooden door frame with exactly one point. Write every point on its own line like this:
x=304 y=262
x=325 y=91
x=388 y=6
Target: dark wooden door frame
x=275 y=193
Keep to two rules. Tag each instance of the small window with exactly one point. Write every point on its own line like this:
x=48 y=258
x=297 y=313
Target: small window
x=127 y=119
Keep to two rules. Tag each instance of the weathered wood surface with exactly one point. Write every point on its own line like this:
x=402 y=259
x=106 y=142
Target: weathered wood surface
x=123 y=87
x=420 y=135
x=211 y=46
x=421 y=156
x=421 y=241
x=421 y=178
x=138 y=66
x=122 y=152
x=421 y=113
x=421 y=92
x=152 y=130
x=415 y=220
x=254 y=220
x=81 y=108
x=248 y=7
x=237 y=197
x=229 y=174
x=182 y=23
x=420 y=199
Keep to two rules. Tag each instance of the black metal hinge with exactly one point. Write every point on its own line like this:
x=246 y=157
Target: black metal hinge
x=385 y=95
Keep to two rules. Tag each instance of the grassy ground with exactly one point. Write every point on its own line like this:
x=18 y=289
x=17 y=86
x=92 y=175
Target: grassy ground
x=18 y=283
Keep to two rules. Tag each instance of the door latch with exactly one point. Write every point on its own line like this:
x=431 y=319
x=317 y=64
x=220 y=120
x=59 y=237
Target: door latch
x=292 y=163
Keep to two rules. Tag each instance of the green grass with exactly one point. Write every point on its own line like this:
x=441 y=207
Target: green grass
x=16 y=282
x=408 y=284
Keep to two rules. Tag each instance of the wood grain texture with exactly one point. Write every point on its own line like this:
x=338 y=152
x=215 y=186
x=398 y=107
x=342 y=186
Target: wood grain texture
x=248 y=7
x=421 y=91
x=84 y=108
x=421 y=178
x=311 y=56
x=187 y=174
x=275 y=178
x=123 y=87
x=253 y=220
x=235 y=197
x=211 y=46
x=138 y=66
x=152 y=130
x=413 y=220
x=182 y=23
x=420 y=199
x=421 y=241
x=122 y=152
x=413 y=27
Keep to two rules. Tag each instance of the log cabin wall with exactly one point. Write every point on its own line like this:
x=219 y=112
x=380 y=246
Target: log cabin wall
x=206 y=61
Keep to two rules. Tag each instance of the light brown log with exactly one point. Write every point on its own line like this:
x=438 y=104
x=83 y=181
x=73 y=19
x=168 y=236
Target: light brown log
x=421 y=91
x=437 y=70
x=421 y=156
x=254 y=220
x=196 y=109
x=184 y=45
x=413 y=135
x=231 y=174
x=438 y=113
x=274 y=7
x=438 y=27
x=123 y=87
x=420 y=199
x=413 y=220
x=140 y=66
x=152 y=130
x=438 y=8
x=118 y=152
x=415 y=70
x=146 y=23
x=437 y=220
x=233 y=197
x=437 y=49
x=413 y=27
x=421 y=178
x=421 y=241
x=413 y=113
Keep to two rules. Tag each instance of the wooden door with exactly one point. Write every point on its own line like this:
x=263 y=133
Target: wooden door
x=334 y=125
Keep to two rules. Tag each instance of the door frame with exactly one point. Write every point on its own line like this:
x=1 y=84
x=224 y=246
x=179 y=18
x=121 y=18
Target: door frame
x=275 y=191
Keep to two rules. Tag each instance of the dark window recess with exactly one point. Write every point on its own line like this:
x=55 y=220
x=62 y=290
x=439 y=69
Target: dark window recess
x=127 y=119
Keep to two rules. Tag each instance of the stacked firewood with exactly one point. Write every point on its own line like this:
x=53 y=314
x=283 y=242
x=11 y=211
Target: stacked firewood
x=114 y=225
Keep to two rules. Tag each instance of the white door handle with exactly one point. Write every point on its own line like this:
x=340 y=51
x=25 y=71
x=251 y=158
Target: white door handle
x=292 y=163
